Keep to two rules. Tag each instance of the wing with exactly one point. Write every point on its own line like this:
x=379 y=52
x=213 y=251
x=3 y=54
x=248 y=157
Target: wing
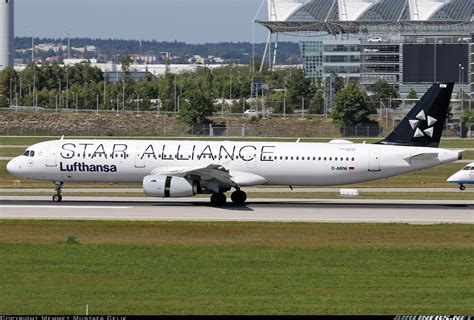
x=206 y=173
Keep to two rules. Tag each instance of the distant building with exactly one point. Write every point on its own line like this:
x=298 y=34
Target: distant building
x=408 y=43
x=197 y=59
x=56 y=47
x=140 y=58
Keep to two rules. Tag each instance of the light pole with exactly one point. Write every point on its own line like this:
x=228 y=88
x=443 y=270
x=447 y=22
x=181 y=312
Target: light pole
x=461 y=89
x=68 y=33
x=460 y=67
x=32 y=45
x=11 y=95
x=67 y=87
x=175 y=94
x=34 y=65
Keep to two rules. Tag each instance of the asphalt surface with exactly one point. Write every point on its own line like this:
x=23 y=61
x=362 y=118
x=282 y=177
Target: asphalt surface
x=453 y=189
x=271 y=210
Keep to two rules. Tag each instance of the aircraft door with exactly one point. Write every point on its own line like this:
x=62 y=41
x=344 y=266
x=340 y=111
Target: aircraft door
x=139 y=156
x=51 y=155
x=374 y=160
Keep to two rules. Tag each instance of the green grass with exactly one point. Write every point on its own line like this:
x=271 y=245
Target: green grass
x=11 y=151
x=235 y=268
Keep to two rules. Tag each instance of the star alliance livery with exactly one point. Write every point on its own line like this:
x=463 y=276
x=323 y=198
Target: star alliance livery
x=172 y=169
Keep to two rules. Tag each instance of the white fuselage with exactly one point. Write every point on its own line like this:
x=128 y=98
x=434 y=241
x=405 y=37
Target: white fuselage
x=275 y=163
x=463 y=176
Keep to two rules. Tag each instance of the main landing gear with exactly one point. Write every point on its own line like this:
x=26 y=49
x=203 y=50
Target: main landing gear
x=238 y=197
x=219 y=199
x=462 y=187
x=57 y=197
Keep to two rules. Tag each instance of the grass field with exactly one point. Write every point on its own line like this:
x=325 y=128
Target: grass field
x=235 y=268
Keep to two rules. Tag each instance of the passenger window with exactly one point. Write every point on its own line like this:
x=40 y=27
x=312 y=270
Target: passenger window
x=324 y=158
x=335 y=158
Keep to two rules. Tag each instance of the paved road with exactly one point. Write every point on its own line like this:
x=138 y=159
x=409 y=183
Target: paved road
x=196 y=209
x=454 y=189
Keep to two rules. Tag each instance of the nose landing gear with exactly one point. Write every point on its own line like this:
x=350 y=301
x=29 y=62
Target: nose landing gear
x=462 y=187
x=58 y=197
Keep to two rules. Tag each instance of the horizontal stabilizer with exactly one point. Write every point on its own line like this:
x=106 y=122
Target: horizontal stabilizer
x=422 y=156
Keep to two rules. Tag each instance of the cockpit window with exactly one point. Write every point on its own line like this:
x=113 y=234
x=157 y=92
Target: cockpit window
x=27 y=153
x=32 y=153
x=467 y=168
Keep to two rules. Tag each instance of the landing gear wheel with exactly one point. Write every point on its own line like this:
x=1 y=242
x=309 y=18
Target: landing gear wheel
x=57 y=198
x=218 y=199
x=238 y=197
x=462 y=187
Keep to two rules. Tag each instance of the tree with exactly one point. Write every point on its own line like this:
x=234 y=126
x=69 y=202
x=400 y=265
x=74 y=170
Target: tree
x=381 y=89
x=297 y=88
x=197 y=106
x=351 y=107
x=412 y=94
x=8 y=82
x=316 y=105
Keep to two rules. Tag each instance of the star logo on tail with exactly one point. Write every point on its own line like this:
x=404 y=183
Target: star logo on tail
x=420 y=117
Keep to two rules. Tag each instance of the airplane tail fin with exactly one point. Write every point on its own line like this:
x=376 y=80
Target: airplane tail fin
x=423 y=125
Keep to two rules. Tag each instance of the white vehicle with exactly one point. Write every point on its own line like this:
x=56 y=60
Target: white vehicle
x=464 y=39
x=172 y=169
x=463 y=176
x=375 y=40
x=252 y=113
x=370 y=50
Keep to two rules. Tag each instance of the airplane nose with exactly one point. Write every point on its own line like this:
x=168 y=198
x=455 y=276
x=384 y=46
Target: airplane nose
x=12 y=166
x=454 y=177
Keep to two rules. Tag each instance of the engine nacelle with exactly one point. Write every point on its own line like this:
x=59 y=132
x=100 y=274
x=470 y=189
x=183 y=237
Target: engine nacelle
x=169 y=187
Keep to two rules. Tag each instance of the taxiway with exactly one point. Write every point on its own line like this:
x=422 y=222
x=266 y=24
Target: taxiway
x=271 y=210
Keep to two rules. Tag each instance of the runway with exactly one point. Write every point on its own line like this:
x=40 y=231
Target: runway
x=453 y=189
x=270 y=210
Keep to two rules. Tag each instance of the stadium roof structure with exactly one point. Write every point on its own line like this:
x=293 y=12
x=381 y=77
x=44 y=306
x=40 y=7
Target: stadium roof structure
x=353 y=16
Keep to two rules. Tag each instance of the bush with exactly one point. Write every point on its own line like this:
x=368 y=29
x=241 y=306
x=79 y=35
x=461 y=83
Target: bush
x=72 y=239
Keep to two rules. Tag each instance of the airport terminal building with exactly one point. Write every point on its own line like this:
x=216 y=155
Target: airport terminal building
x=409 y=43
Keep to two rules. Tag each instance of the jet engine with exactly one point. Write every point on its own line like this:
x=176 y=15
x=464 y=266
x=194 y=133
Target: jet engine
x=169 y=187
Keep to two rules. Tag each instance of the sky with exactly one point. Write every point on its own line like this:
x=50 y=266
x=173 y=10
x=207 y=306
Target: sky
x=191 y=21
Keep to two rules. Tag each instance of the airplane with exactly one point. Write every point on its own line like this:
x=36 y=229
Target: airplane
x=172 y=169
x=463 y=176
